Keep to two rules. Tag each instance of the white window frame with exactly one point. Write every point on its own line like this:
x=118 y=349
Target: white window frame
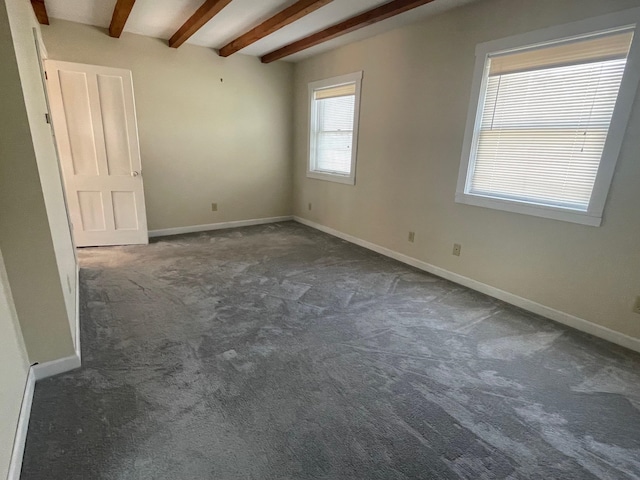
x=622 y=112
x=312 y=172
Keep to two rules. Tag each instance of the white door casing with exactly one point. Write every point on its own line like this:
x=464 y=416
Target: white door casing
x=94 y=120
x=42 y=58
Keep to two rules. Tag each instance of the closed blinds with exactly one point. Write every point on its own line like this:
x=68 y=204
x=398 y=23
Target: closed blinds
x=335 y=108
x=545 y=121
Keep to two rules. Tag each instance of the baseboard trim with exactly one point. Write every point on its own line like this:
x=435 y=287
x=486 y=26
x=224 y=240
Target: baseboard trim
x=216 y=226
x=20 y=440
x=36 y=372
x=55 y=367
x=77 y=345
x=526 y=304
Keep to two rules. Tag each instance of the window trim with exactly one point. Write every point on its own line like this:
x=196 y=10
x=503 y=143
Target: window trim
x=617 y=129
x=350 y=179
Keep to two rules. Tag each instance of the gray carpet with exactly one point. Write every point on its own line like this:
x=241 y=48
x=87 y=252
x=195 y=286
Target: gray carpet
x=278 y=352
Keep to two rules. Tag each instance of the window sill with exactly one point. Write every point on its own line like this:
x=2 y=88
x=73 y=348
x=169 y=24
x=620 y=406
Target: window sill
x=555 y=213
x=332 y=177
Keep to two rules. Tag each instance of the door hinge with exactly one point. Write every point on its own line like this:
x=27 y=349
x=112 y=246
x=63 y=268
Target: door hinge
x=47 y=119
x=46 y=75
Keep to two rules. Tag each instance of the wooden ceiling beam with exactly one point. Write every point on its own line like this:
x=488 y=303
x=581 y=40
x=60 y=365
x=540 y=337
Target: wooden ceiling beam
x=120 y=16
x=208 y=10
x=287 y=16
x=41 y=11
x=388 y=10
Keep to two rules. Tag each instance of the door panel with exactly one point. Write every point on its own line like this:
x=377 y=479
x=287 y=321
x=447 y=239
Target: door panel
x=112 y=105
x=91 y=211
x=77 y=111
x=95 y=124
x=124 y=210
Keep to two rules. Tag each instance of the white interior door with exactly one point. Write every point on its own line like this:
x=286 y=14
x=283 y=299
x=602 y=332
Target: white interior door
x=94 y=120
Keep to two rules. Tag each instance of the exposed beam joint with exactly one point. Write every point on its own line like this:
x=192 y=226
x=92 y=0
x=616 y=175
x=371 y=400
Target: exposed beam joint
x=208 y=10
x=120 y=15
x=275 y=23
x=41 y=11
x=352 y=24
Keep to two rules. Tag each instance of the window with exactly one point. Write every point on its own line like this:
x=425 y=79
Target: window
x=333 y=138
x=545 y=134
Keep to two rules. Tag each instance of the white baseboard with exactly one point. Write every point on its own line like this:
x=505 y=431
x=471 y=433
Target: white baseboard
x=216 y=226
x=526 y=304
x=36 y=372
x=20 y=440
x=55 y=367
x=77 y=345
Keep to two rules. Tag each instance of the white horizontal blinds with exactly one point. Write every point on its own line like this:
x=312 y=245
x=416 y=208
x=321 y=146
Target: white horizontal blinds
x=544 y=125
x=335 y=108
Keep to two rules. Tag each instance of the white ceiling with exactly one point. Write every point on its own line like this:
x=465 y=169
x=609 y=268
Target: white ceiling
x=161 y=19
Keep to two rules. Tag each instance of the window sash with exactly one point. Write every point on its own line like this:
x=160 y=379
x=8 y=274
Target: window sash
x=625 y=20
x=334 y=130
x=538 y=141
x=334 y=108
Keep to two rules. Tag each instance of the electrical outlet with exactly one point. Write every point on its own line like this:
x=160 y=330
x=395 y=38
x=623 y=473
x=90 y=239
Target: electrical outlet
x=412 y=236
x=636 y=306
x=457 y=248
x=214 y=207
x=309 y=205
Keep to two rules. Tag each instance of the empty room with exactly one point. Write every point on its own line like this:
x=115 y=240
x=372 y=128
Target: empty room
x=319 y=239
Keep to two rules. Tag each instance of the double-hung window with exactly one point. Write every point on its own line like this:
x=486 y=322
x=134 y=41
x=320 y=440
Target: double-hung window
x=551 y=113
x=333 y=138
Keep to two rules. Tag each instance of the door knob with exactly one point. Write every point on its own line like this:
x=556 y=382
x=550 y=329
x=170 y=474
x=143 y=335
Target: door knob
x=135 y=174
